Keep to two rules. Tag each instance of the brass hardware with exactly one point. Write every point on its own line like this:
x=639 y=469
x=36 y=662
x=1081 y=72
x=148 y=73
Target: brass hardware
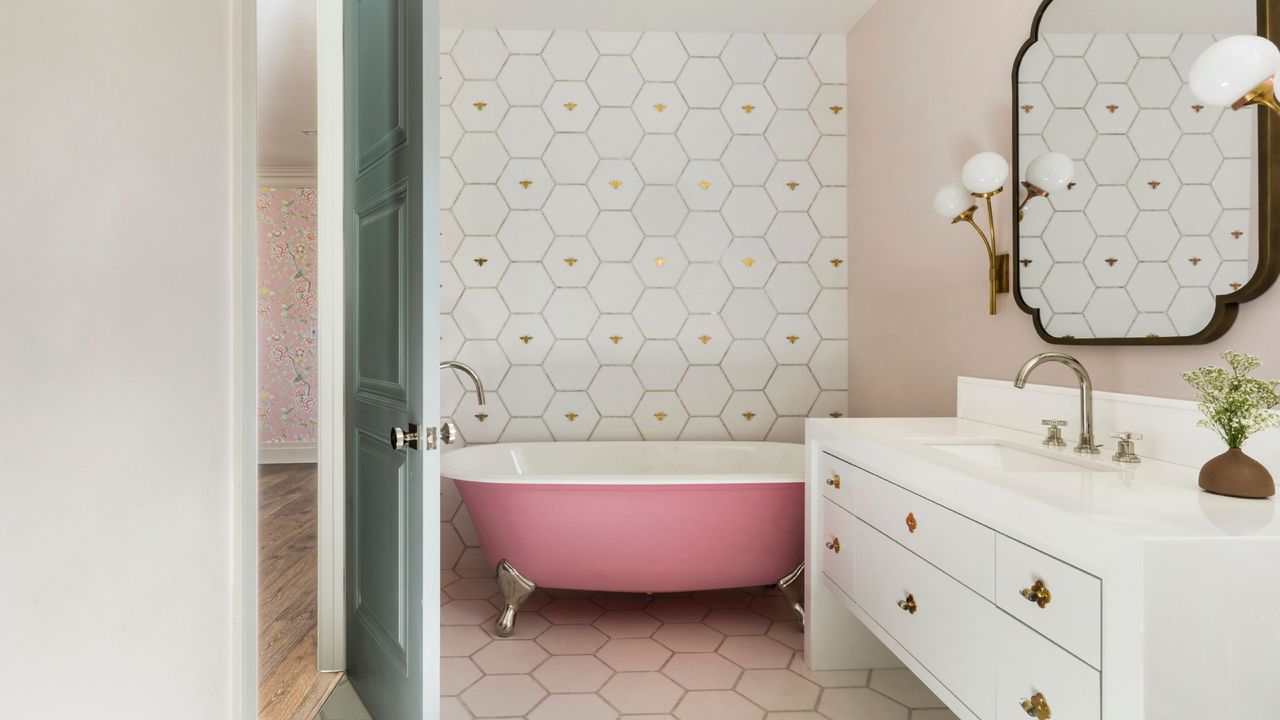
x=748 y=261
x=911 y=523
x=998 y=263
x=793 y=185
x=615 y=339
x=526 y=183
x=615 y=184
x=660 y=107
x=481 y=417
x=571 y=416
x=1264 y=95
x=400 y=439
x=570 y=106
x=836 y=262
x=1038 y=593
x=571 y=261
x=749 y=415
x=1054 y=438
x=480 y=261
x=834 y=545
x=704 y=339
x=748 y=108
x=834 y=481
x=525 y=339
x=704 y=184
x=448 y=433
x=480 y=105
x=1125 y=451
x=835 y=109
x=660 y=415
x=908 y=604
x=792 y=339
x=1037 y=707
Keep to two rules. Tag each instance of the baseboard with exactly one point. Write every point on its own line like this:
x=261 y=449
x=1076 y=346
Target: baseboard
x=278 y=453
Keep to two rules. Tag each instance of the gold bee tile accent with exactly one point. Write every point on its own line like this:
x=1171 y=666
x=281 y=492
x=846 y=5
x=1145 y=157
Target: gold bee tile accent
x=748 y=109
x=660 y=261
x=792 y=339
x=570 y=106
x=526 y=183
x=1071 y=185
x=1026 y=262
x=749 y=415
x=1154 y=184
x=1195 y=261
x=748 y=261
x=1068 y=337
x=835 y=414
x=480 y=105
x=525 y=339
x=480 y=261
x=660 y=415
x=836 y=262
x=793 y=185
x=836 y=109
x=1236 y=286
x=1111 y=262
x=615 y=339
x=1237 y=234
x=1112 y=108
x=704 y=184
x=660 y=107
x=615 y=184
x=1152 y=336
x=571 y=416
x=704 y=339
x=1028 y=108
x=571 y=261
x=481 y=417
x=1197 y=107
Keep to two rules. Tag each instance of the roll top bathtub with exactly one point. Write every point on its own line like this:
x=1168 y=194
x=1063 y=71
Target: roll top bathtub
x=634 y=516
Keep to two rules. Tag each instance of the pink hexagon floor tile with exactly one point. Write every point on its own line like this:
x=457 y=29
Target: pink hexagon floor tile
x=626 y=624
x=466 y=612
x=689 y=637
x=573 y=707
x=571 y=639
x=788 y=633
x=702 y=671
x=515 y=656
x=859 y=704
x=717 y=705
x=677 y=610
x=717 y=599
x=621 y=601
x=461 y=640
x=457 y=674
x=756 y=652
x=902 y=685
x=774 y=607
x=737 y=622
x=778 y=690
x=472 y=589
x=641 y=692
x=571 y=611
x=572 y=673
x=625 y=654
x=503 y=695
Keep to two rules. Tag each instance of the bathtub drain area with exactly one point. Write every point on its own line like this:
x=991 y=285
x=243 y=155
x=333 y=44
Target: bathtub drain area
x=723 y=654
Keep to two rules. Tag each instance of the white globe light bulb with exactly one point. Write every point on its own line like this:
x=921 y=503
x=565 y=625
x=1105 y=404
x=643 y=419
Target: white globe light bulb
x=1051 y=171
x=1230 y=68
x=985 y=172
x=951 y=201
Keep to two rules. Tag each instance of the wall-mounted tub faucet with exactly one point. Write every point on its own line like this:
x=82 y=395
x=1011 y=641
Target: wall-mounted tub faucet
x=1086 y=445
x=466 y=370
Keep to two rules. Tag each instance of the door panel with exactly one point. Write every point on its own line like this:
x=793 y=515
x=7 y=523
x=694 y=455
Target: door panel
x=390 y=252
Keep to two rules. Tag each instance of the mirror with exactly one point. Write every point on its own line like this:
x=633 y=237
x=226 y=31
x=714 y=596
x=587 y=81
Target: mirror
x=1160 y=235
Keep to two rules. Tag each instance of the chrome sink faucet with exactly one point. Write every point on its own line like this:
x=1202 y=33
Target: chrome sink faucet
x=1086 y=445
x=466 y=370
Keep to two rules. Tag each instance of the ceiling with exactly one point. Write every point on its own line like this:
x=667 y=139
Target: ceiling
x=287 y=45
x=286 y=84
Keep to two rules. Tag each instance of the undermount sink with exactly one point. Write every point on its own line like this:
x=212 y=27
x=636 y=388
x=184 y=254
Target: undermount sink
x=1014 y=459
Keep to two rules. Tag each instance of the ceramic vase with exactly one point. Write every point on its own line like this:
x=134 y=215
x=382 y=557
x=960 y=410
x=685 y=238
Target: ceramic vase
x=1235 y=474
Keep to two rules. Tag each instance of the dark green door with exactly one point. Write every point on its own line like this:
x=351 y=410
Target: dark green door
x=391 y=337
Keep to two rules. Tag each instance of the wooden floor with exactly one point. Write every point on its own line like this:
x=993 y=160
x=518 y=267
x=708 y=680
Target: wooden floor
x=289 y=686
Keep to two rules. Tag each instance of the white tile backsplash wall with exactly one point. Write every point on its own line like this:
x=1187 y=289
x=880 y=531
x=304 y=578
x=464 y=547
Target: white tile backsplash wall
x=644 y=233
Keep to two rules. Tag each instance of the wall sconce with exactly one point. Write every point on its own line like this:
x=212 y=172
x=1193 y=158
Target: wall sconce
x=1047 y=173
x=983 y=178
x=1237 y=72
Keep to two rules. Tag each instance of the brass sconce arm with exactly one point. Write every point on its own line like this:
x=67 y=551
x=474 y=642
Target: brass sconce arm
x=1033 y=192
x=998 y=263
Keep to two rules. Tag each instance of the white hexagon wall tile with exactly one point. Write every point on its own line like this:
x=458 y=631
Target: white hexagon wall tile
x=646 y=234
x=1135 y=247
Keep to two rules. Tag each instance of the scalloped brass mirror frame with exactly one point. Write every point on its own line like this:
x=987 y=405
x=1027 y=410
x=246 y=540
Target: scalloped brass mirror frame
x=1268 y=209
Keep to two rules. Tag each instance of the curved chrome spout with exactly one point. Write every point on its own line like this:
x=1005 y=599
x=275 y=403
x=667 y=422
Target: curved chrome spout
x=1086 y=444
x=466 y=370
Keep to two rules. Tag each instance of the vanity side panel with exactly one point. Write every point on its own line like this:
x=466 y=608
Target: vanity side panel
x=1212 y=629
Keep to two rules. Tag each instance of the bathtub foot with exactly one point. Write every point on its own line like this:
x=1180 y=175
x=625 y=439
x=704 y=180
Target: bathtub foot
x=515 y=588
x=792 y=589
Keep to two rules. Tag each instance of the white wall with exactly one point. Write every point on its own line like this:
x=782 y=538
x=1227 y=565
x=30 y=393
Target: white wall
x=116 y=359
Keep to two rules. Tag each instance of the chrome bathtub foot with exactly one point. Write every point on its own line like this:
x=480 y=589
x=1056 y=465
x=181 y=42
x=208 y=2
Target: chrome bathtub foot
x=792 y=589
x=515 y=588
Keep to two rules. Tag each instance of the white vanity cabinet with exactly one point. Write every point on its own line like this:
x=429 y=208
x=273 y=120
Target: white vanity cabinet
x=1016 y=595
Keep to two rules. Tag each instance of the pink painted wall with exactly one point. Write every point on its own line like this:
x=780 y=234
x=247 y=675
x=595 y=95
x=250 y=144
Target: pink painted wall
x=286 y=315
x=929 y=85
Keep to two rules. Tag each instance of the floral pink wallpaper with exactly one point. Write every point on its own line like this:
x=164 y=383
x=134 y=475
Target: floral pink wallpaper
x=286 y=315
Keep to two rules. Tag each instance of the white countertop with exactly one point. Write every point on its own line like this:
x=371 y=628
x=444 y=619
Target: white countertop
x=1153 y=500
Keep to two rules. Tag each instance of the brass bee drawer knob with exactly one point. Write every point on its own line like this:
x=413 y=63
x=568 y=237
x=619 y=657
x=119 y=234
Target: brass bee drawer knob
x=1037 y=707
x=911 y=522
x=834 y=481
x=834 y=544
x=1038 y=593
x=908 y=604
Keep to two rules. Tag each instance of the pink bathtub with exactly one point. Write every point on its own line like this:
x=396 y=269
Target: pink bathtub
x=635 y=516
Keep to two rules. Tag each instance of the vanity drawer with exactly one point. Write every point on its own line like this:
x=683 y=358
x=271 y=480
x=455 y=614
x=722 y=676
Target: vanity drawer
x=836 y=477
x=951 y=629
x=837 y=539
x=959 y=546
x=1072 y=615
x=1028 y=664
